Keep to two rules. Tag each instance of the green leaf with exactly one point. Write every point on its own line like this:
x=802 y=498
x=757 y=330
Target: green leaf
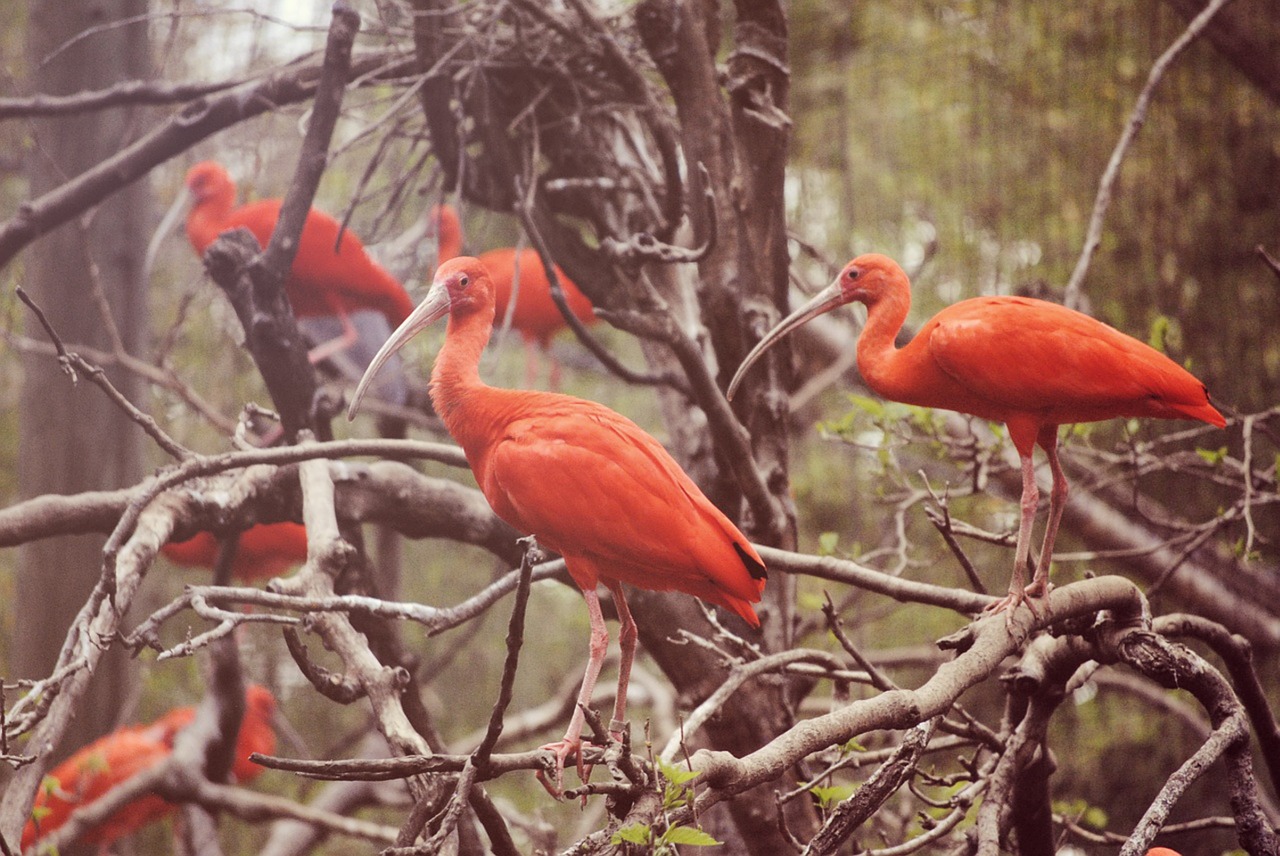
x=1159 y=332
x=40 y=812
x=827 y=543
x=676 y=775
x=689 y=835
x=828 y=796
x=1095 y=818
x=852 y=745
x=1213 y=457
x=636 y=833
x=874 y=407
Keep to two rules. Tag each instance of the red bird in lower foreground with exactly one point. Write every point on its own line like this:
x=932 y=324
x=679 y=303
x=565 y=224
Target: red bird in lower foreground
x=265 y=551
x=586 y=481
x=1030 y=364
x=109 y=761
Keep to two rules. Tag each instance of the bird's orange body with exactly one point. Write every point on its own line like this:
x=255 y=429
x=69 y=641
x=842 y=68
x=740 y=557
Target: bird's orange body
x=588 y=482
x=327 y=278
x=536 y=317
x=111 y=760
x=1028 y=363
x=598 y=490
x=265 y=551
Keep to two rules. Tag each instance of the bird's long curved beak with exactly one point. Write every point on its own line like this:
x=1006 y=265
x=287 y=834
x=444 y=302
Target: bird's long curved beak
x=167 y=223
x=824 y=301
x=432 y=308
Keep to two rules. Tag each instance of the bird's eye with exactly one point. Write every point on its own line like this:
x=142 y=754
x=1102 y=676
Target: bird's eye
x=851 y=273
x=464 y=280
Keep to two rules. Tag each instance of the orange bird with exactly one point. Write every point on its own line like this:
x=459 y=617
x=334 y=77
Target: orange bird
x=345 y=302
x=265 y=551
x=1030 y=364
x=589 y=483
x=109 y=761
x=1162 y=851
x=536 y=316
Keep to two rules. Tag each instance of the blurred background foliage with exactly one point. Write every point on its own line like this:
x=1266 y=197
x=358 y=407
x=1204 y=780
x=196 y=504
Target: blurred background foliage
x=965 y=139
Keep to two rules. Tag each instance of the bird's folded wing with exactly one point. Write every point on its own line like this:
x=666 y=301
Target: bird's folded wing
x=598 y=485
x=1034 y=356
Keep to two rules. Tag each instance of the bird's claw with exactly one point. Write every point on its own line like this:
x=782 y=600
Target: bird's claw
x=1018 y=596
x=563 y=750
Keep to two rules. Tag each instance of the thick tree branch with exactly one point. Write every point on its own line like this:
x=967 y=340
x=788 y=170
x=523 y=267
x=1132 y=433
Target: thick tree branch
x=128 y=93
x=197 y=120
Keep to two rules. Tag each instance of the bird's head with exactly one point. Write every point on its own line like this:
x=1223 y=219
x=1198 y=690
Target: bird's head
x=461 y=287
x=257 y=732
x=209 y=180
x=865 y=280
x=260 y=704
x=868 y=278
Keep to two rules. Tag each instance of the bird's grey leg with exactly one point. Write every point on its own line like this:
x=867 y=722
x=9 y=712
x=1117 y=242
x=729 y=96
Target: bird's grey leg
x=1057 y=502
x=350 y=335
x=627 y=635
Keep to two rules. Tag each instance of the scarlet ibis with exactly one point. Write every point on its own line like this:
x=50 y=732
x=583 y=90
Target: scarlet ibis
x=345 y=302
x=536 y=316
x=586 y=481
x=1162 y=851
x=1028 y=363
x=109 y=761
x=265 y=551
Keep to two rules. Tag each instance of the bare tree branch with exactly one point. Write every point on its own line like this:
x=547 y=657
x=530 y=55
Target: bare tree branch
x=1072 y=293
x=197 y=120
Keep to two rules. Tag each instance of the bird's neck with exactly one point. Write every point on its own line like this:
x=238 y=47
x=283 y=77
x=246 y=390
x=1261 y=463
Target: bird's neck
x=456 y=387
x=878 y=353
x=208 y=219
x=450 y=240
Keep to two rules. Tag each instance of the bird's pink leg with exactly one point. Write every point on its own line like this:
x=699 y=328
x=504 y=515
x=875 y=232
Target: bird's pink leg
x=1030 y=500
x=627 y=635
x=337 y=344
x=530 y=363
x=1057 y=502
x=553 y=373
x=571 y=743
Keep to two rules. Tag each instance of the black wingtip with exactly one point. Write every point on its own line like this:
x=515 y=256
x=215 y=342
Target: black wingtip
x=753 y=565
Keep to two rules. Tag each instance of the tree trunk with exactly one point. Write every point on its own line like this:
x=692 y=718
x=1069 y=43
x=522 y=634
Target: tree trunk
x=71 y=438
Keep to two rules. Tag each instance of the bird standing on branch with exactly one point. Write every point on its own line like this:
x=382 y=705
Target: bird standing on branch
x=1030 y=364
x=264 y=551
x=536 y=316
x=92 y=772
x=586 y=481
x=345 y=302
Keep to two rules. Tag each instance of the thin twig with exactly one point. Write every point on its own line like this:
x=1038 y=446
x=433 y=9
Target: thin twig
x=525 y=212
x=480 y=757
x=72 y=361
x=1268 y=260
x=1093 y=237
